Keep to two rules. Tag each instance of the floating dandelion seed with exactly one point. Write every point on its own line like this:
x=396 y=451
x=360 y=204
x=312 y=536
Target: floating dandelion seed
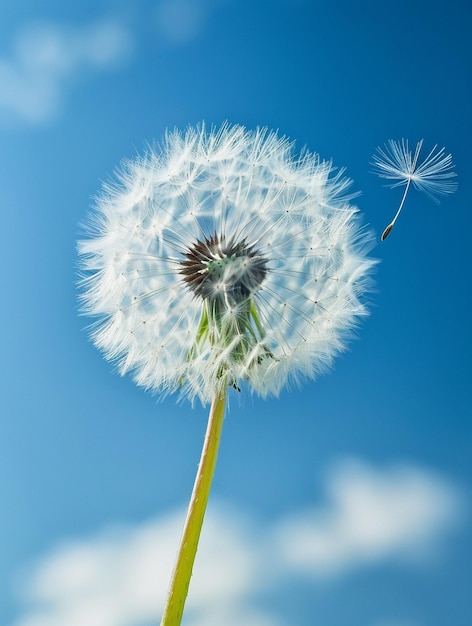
x=221 y=261
x=433 y=176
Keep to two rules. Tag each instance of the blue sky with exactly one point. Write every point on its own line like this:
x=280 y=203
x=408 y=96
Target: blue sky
x=344 y=502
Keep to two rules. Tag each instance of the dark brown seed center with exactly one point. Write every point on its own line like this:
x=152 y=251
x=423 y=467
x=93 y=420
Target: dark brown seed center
x=216 y=270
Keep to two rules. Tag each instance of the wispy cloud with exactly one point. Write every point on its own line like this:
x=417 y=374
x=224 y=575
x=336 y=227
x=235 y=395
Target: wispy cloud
x=119 y=577
x=48 y=57
x=182 y=21
x=371 y=516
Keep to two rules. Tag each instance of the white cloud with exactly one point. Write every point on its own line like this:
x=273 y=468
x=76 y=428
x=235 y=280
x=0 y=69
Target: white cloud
x=181 y=21
x=120 y=576
x=47 y=56
x=371 y=516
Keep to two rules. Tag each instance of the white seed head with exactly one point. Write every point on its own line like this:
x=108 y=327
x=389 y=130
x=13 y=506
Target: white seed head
x=220 y=260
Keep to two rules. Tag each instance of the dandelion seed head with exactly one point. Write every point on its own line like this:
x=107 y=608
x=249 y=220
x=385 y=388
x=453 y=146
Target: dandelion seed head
x=221 y=259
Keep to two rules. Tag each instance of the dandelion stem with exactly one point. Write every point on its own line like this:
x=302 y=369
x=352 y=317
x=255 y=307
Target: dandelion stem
x=386 y=232
x=402 y=202
x=193 y=524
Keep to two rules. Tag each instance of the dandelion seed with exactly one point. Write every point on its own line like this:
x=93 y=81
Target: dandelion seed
x=221 y=261
x=433 y=176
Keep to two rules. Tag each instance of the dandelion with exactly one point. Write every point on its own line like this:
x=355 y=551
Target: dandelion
x=221 y=261
x=433 y=176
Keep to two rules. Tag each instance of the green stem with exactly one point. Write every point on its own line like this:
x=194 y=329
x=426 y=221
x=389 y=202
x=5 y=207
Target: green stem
x=193 y=524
